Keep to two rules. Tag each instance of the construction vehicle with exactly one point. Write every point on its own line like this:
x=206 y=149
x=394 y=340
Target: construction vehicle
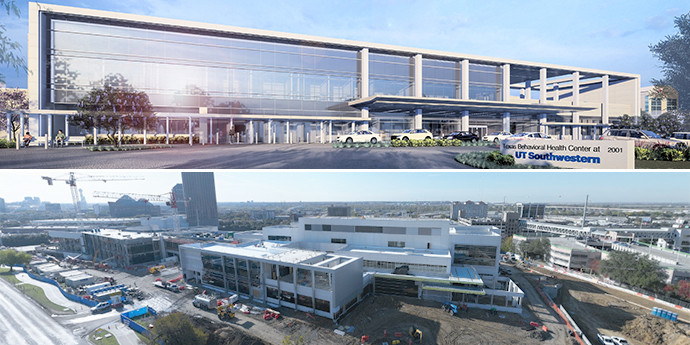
x=226 y=311
x=450 y=308
x=415 y=333
x=156 y=269
x=205 y=302
x=100 y=307
x=166 y=285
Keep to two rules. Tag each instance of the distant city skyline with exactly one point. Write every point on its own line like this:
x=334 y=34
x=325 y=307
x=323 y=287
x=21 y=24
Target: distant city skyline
x=354 y=186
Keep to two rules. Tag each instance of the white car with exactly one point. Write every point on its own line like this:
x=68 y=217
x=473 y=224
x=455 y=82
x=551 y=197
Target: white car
x=605 y=340
x=412 y=134
x=642 y=138
x=496 y=136
x=360 y=137
x=528 y=136
x=619 y=341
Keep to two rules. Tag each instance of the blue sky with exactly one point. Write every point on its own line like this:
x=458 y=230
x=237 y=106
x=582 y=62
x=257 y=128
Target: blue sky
x=604 y=34
x=335 y=186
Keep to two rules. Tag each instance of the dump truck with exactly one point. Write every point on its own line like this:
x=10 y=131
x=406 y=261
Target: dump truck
x=205 y=302
x=415 y=333
x=226 y=311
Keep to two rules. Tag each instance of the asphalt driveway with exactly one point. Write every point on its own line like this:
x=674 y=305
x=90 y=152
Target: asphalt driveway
x=262 y=156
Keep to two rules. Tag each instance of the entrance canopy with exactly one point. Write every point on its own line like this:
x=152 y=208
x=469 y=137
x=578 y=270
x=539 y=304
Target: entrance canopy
x=431 y=105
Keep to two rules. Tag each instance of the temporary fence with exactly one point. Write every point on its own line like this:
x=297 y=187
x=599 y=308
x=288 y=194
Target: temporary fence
x=572 y=322
x=126 y=319
x=67 y=295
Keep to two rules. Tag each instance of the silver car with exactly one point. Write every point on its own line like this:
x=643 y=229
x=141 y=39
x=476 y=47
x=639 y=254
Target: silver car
x=642 y=138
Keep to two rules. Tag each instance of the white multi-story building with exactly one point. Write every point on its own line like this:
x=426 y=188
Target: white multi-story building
x=571 y=254
x=428 y=259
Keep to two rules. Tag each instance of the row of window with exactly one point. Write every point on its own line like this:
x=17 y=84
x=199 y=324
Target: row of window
x=474 y=255
x=373 y=264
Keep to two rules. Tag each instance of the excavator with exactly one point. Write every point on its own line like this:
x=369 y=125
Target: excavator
x=415 y=333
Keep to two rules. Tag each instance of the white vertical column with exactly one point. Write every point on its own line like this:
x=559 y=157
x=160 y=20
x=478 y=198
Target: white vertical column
x=506 y=122
x=636 y=106
x=528 y=89
x=9 y=127
x=21 y=129
x=330 y=131
x=95 y=135
x=322 y=139
x=66 y=125
x=49 y=131
x=605 y=100
x=167 y=130
x=287 y=131
x=213 y=134
x=144 y=131
x=364 y=70
x=505 y=86
x=465 y=121
x=270 y=129
x=190 y=131
x=418 y=89
x=251 y=131
x=542 y=86
x=576 y=102
x=465 y=79
x=542 y=100
x=365 y=118
x=354 y=126
x=555 y=93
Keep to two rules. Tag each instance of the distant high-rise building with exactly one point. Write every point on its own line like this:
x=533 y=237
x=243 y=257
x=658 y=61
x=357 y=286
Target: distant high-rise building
x=178 y=192
x=2 y=205
x=469 y=209
x=200 y=193
x=531 y=210
x=339 y=211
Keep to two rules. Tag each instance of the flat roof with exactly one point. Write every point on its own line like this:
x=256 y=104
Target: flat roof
x=269 y=251
x=119 y=234
x=531 y=68
x=442 y=253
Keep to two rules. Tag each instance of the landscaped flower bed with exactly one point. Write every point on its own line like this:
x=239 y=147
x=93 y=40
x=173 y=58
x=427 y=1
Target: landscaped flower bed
x=127 y=147
x=494 y=160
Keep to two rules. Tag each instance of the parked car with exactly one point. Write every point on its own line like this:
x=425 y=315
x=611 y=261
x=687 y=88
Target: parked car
x=496 y=136
x=529 y=136
x=414 y=134
x=605 y=340
x=619 y=341
x=103 y=306
x=464 y=136
x=682 y=136
x=359 y=137
x=641 y=137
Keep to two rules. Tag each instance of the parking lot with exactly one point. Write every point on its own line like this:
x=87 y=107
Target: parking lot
x=262 y=156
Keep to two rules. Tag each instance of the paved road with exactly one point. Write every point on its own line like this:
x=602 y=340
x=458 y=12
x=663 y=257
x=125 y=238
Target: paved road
x=53 y=293
x=23 y=322
x=263 y=156
x=546 y=315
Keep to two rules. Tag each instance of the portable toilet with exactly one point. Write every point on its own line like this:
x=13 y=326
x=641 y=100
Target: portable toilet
x=664 y=314
x=674 y=317
x=655 y=311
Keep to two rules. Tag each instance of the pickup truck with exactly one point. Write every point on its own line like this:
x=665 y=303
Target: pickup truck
x=165 y=285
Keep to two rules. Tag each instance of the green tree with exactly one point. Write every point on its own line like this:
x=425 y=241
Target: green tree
x=536 y=248
x=11 y=257
x=507 y=245
x=10 y=51
x=12 y=101
x=667 y=123
x=674 y=53
x=114 y=110
x=176 y=329
x=633 y=269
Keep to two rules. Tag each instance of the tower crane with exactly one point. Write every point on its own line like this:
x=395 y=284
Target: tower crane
x=169 y=199
x=72 y=182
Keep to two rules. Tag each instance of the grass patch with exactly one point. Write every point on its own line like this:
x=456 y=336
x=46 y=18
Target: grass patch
x=652 y=164
x=5 y=274
x=103 y=341
x=37 y=294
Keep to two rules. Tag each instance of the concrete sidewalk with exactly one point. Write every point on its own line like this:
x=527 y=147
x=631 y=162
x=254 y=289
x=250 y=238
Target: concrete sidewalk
x=123 y=334
x=53 y=293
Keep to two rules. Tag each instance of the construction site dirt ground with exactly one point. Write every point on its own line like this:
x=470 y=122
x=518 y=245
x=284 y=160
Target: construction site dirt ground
x=375 y=315
x=599 y=309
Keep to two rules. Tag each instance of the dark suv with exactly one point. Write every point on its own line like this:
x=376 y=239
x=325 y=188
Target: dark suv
x=464 y=136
